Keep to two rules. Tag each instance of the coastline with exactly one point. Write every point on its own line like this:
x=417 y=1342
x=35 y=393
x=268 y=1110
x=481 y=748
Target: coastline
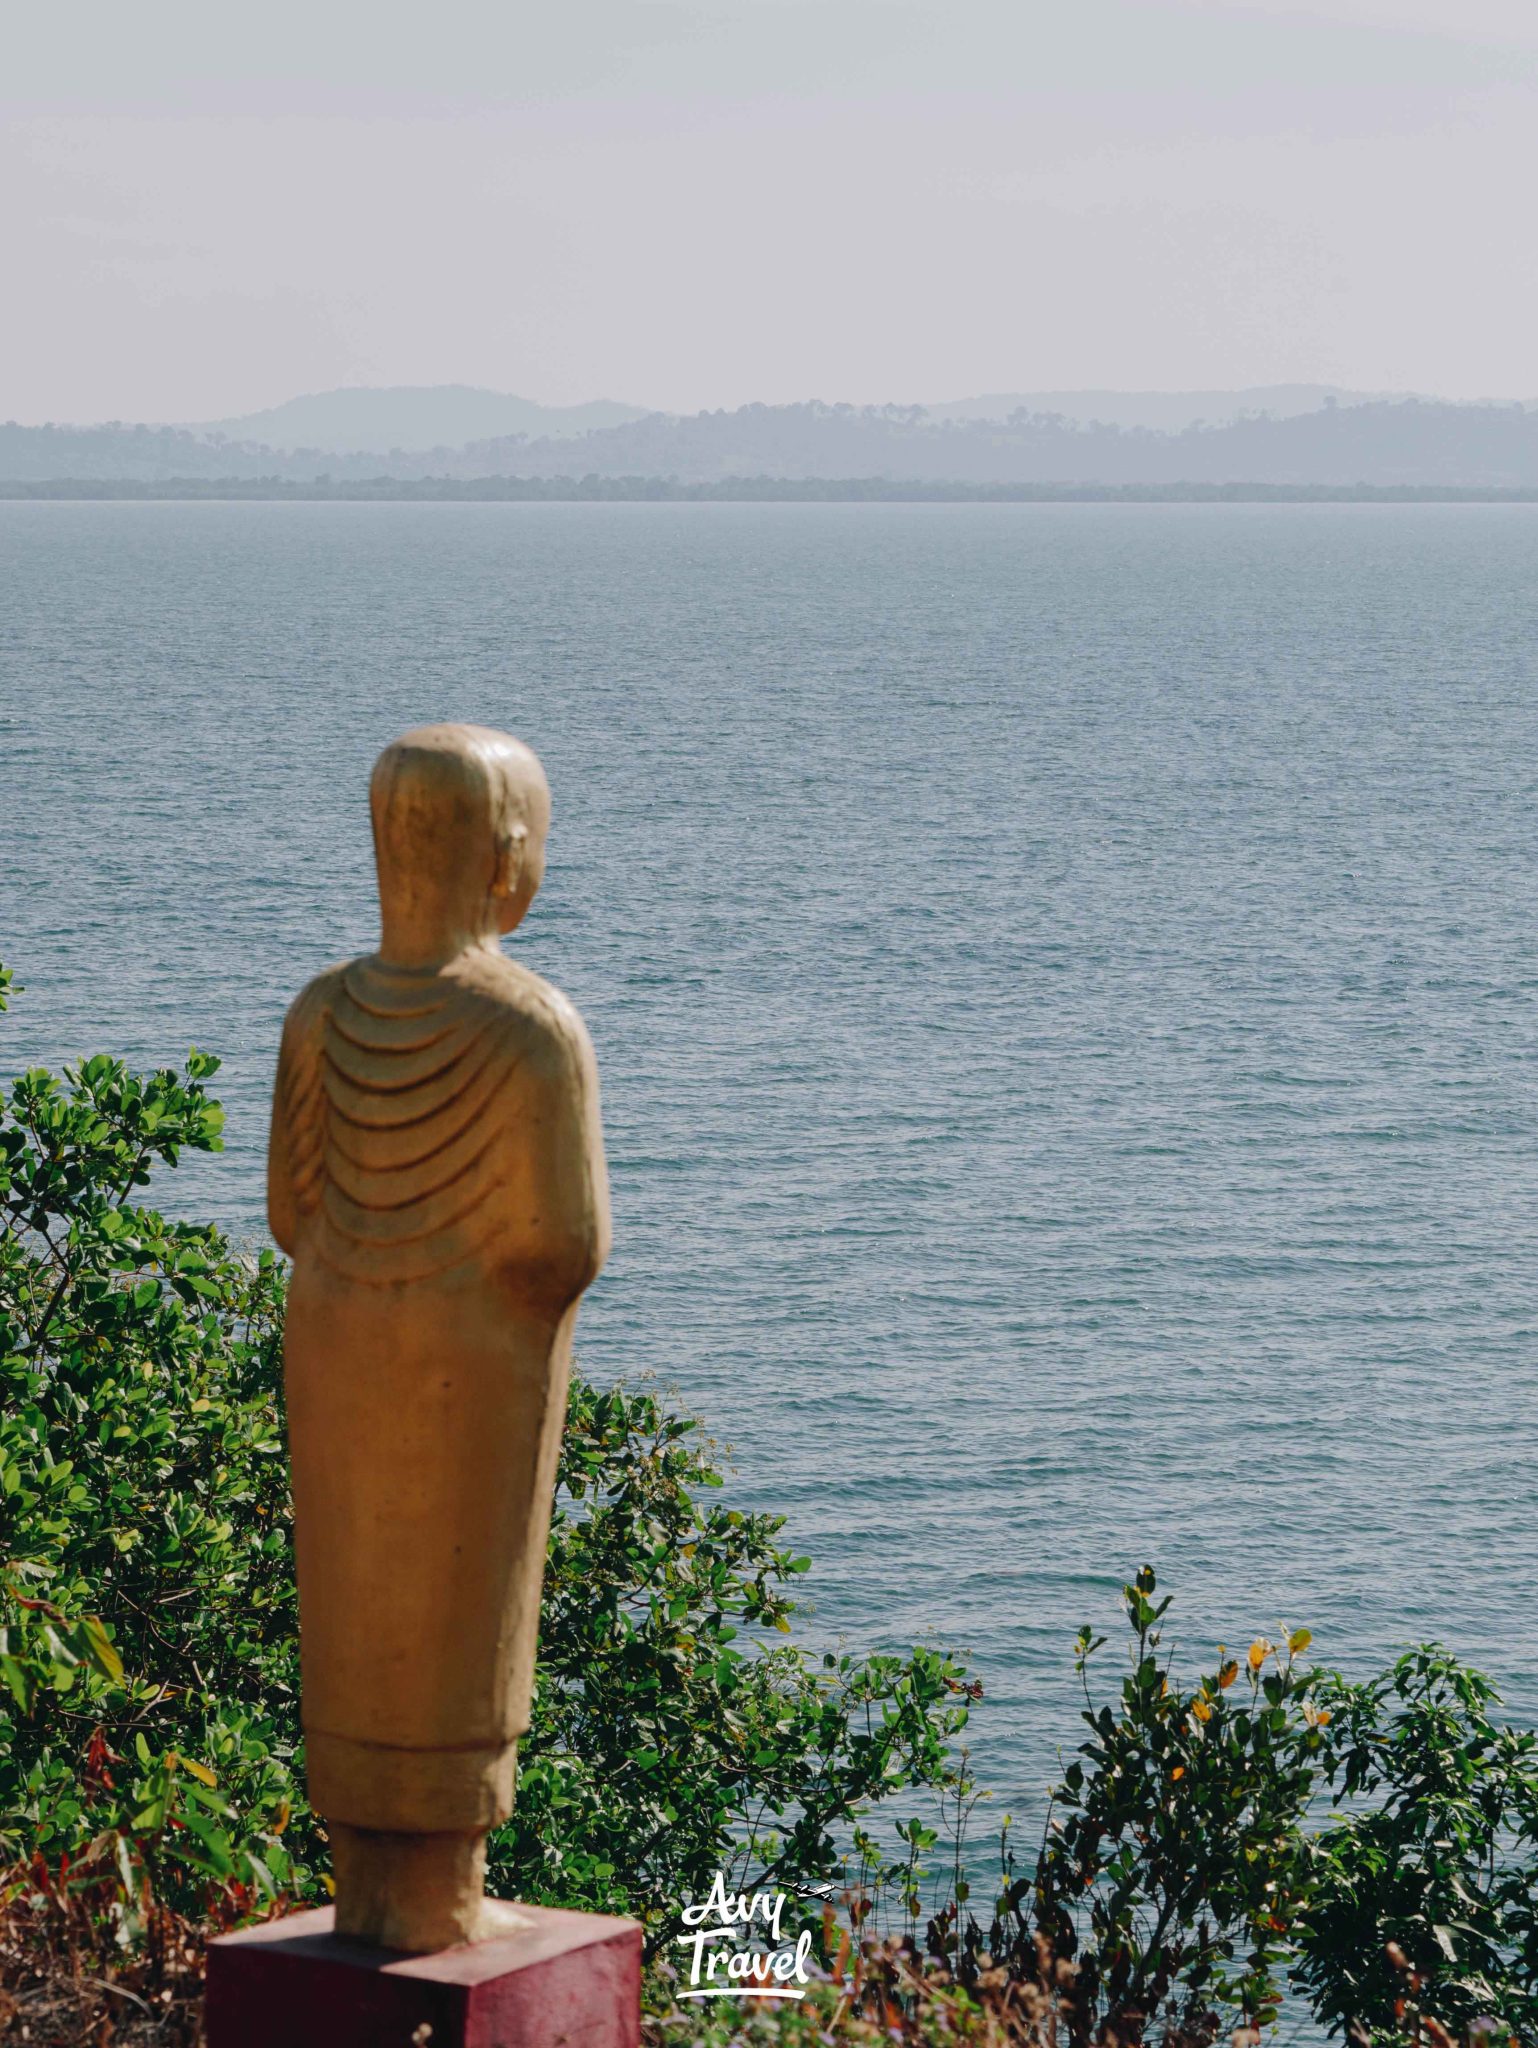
x=743 y=490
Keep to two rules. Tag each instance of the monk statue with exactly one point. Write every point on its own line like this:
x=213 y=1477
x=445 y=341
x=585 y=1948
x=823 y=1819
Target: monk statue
x=436 y=1173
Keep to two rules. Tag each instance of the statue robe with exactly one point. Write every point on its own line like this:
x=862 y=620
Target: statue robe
x=437 y=1174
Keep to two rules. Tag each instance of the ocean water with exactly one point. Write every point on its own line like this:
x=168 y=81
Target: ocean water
x=1064 y=982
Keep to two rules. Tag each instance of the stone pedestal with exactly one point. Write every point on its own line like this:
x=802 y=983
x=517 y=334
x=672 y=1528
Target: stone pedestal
x=555 y=1980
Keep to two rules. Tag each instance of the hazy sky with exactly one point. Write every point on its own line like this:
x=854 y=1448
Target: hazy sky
x=689 y=203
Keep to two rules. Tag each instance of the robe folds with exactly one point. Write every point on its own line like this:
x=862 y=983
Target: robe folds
x=436 y=1173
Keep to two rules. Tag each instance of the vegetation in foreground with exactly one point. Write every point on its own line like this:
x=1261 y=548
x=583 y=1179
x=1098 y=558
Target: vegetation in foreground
x=1376 y=1844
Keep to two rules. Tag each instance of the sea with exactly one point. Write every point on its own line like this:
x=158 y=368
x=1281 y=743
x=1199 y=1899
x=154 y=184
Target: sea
x=1064 y=980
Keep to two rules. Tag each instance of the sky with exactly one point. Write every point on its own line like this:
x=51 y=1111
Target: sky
x=698 y=203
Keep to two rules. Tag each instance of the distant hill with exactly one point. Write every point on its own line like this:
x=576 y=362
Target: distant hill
x=412 y=418
x=1384 y=442
x=1399 y=442
x=1166 y=412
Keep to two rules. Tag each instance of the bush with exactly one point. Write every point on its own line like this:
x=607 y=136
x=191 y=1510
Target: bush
x=148 y=1645
x=1186 y=1874
x=1424 y=1895
x=1174 y=1869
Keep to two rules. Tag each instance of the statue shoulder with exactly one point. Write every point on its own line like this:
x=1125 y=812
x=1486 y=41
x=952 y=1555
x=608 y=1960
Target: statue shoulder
x=558 y=1226
x=308 y=1011
x=546 y=1025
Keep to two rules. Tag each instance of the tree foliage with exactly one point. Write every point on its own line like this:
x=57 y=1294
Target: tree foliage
x=1423 y=1891
x=147 y=1649
x=1174 y=1866
x=1373 y=1845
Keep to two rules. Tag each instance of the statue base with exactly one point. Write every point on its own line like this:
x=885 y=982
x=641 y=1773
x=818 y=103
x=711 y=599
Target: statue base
x=558 y=1977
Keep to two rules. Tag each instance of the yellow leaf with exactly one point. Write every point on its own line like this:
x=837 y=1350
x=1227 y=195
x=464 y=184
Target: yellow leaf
x=282 y=1820
x=103 y=1655
x=1300 y=1640
x=1259 y=1651
x=201 y=1772
x=1228 y=1674
x=1202 y=1709
x=1178 y=1772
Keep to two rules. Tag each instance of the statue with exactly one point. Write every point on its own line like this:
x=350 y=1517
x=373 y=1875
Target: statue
x=436 y=1172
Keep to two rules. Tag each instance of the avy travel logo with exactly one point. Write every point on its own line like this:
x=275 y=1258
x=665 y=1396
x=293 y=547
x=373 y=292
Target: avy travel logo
x=724 y=1961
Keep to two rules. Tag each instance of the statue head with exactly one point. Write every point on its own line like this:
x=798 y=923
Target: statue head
x=460 y=816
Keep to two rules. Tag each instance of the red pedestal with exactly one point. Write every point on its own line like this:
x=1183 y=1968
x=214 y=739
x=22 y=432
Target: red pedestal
x=566 y=1980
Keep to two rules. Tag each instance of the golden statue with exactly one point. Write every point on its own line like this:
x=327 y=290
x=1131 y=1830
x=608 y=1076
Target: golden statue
x=436 y=1173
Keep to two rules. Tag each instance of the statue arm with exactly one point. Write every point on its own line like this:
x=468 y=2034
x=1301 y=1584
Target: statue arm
x=561 y=1226
x=282 y=1210
x=295 y=1138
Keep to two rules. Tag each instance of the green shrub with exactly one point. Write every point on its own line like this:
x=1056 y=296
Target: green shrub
x=1187 y=1873
x=147 y=1633
x=1436 y=1855
x=1174 y=1866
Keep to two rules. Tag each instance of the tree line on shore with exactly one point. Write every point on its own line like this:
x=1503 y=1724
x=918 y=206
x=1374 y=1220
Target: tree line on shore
x=736 y=490
x=1383 y=444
